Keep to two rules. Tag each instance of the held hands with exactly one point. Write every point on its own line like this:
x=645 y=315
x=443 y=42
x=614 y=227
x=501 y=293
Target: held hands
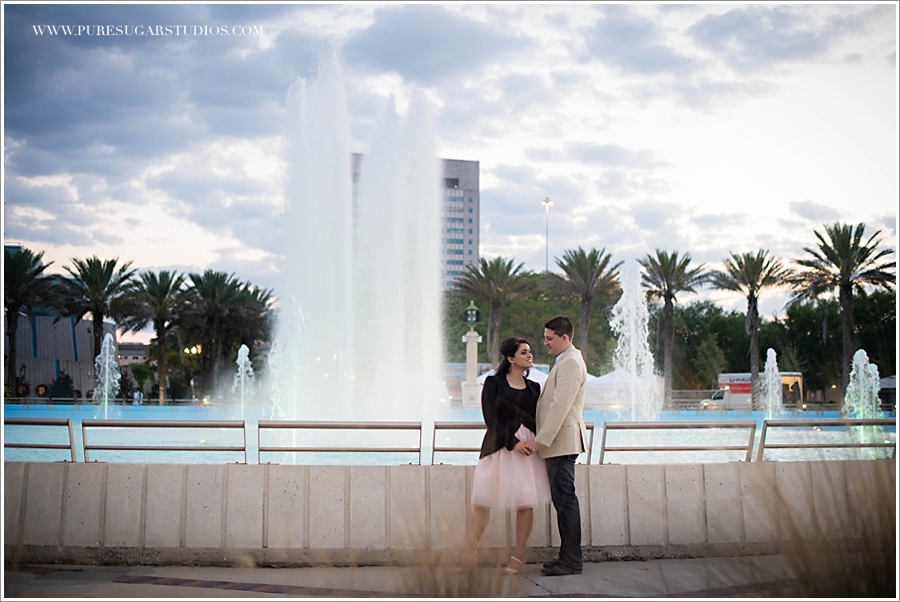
x=526 y=448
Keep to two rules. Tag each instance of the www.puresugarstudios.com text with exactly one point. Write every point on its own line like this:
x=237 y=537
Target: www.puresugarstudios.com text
x=147 y=30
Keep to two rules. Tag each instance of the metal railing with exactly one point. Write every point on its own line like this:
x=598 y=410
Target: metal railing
x=470 y=426
x=66 y=422
x=454 y=426
x=87 y=401
x=846 y=422
x=746 y=448
x=290 y=424
x=177 y=424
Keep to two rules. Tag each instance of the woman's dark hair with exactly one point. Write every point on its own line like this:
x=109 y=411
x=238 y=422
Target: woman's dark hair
x=508 y=349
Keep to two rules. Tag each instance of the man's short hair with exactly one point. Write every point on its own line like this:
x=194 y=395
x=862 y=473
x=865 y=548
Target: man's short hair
x=561 y=325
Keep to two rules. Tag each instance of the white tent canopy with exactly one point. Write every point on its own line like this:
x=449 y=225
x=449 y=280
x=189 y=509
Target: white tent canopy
x=615 y=378
x=602 y=391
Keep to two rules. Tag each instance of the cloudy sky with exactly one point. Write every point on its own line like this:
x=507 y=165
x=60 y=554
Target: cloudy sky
x=705 y=129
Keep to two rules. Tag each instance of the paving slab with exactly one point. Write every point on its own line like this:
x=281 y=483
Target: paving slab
x=748 y=576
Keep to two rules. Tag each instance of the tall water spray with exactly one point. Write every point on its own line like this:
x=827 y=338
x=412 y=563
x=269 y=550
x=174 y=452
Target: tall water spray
x=398 y=359
x=359 y=334
x=861 y=399
x=772 y=398
x=630 y=318
x=106 y=373
x=244 y=379
x=288 y=365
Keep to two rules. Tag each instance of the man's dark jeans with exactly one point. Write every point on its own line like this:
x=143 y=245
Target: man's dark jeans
x=561 y=471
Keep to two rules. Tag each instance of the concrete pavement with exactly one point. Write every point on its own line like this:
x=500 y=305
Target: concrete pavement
x=748 y=576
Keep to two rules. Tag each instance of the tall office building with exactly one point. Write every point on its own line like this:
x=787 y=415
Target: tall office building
x=462 y=209
x=461 y=212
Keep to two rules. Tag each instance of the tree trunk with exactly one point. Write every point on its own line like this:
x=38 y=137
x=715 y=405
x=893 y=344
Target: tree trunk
x=215 y=369
x=846 y=298
x=751 y=326
x=98 y=333
x=216 y=356
x=162 y=375
x=668 y=346
x=12 y=327
x=584 y=324
x=493 y=339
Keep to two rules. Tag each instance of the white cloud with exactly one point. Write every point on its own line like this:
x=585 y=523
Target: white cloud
x=699 y=128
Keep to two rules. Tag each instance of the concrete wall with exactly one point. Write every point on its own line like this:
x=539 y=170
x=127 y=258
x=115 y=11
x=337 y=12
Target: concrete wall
x=236 y=514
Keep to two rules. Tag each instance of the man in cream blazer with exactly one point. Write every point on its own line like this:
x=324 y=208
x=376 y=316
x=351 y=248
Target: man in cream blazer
x=562 y=436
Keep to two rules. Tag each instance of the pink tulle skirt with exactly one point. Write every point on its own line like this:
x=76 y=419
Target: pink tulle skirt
x=508 y=479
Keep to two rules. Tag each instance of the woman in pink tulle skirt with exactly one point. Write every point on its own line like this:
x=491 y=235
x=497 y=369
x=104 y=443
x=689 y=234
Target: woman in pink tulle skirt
x=510 y=473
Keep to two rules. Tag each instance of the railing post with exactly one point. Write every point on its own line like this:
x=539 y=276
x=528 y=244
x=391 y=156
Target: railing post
x=84 y=443
x=71 y=439
x=603 y=442
x=750 y=444
x=762 y=441
x=590 y=426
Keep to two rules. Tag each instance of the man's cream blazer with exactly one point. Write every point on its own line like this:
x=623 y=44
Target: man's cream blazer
x=560 y=426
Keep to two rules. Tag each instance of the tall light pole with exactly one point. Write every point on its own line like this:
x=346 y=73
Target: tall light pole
x=547 y=202
x=471 y=399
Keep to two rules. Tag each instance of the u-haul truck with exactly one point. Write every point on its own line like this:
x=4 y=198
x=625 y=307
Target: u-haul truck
x=736 y=392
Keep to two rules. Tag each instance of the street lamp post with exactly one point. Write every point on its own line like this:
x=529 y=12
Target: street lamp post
x=470 y=387
x=546 y=203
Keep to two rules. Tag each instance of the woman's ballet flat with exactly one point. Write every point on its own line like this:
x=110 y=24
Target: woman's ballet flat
x=514 y=566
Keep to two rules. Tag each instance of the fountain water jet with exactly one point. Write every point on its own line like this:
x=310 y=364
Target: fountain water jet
x=363 y=272
x=288 y=362
x=861 y=400
x=772 y=398
x=629 y=320
x=244 y=378
x=106 y=371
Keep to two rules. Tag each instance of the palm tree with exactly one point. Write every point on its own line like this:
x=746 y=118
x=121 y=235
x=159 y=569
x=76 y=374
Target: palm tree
x=664 y=277
x=24 y=286
x=156 y=299
x=223 y=313
x=843 y=261
x=750 y=273
x=250 y=319
x=98 y=287
x=495 y=282
x=588 y=276
x=211 y=296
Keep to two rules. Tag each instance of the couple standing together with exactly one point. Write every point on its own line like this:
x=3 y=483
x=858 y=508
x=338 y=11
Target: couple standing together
x=528 y=453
